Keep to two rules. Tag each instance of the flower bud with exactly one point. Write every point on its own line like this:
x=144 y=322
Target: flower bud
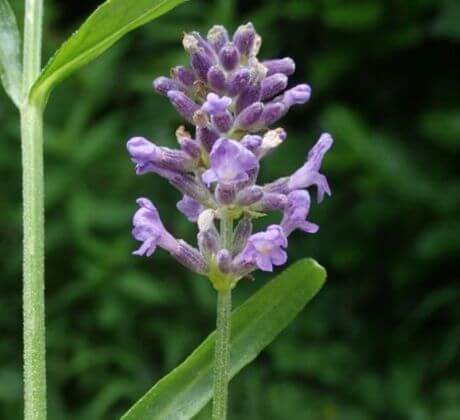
x=280 y=65
x=272 y=85
x=297 y=95
x=201 y=64
x=200 y=52
x=183 y=75
x=217 y=37
x=244 y=38
x=238 y=82
x=242 y=232
x=183 y=104
x=229 y=56
x=163 y=85
x=216 y=78
x=208 y=243
x=249 y=116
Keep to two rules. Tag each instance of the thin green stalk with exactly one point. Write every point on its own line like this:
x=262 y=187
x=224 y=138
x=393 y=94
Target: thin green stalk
x=33 y=221
x=222 y=354
x=223 y=330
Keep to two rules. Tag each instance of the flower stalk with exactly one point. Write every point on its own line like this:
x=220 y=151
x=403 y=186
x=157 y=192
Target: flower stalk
x=222 y=354
x=33 y=221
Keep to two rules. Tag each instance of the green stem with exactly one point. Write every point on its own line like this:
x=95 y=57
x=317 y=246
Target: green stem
x=33 y=221
x=223 y=329
x=222 y=354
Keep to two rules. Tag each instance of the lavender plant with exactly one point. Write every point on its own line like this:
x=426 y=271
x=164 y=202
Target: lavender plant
x=233 y=100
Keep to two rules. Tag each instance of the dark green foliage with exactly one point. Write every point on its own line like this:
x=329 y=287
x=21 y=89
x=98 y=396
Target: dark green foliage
x=381 y=341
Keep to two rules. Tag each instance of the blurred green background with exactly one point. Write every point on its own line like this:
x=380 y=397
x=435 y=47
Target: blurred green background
x=381 y=341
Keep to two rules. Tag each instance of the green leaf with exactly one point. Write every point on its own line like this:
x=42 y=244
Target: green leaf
x=106 y=25
x=185 y=391
x=10 y=53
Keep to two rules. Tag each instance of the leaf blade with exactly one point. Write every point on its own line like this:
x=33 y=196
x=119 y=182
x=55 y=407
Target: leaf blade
x=10 y=53
x=103 y=28
x=183 y=392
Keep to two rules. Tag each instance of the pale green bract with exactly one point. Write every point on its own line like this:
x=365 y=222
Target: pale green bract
x=105 y=26
x=181 y=394
x=10 y=53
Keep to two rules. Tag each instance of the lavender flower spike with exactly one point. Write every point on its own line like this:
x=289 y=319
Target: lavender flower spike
x=266 y=249
x=232 y=98
x=230 y=163
x=309 y=174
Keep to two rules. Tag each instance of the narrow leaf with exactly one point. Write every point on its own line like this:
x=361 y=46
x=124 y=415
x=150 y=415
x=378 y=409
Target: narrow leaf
x=105 y=26
x=185 y=391
x=10 y=53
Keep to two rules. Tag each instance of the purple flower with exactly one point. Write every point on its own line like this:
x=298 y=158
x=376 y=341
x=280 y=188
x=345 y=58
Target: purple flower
x=190 y=208
x=216 y=105
x=308 y=174
x=266 y=249
x=149 y=229
x=230 y=163
x=296 y=212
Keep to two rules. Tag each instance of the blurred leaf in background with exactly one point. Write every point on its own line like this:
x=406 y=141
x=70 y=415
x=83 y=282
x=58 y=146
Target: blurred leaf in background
x=382 y=341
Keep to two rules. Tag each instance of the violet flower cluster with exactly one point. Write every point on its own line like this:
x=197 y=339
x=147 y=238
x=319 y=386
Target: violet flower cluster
x=232 y=99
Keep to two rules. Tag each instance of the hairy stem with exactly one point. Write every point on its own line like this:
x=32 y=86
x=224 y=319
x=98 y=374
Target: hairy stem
x=222 y=354
x=33 y=221
x=223 y=329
